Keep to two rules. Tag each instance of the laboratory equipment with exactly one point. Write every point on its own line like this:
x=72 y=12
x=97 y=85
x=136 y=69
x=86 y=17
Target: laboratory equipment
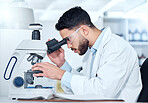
x=18 y=70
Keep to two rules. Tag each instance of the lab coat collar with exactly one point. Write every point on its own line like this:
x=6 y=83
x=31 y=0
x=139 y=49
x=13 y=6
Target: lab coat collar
x=106 y=38
x=98 y=41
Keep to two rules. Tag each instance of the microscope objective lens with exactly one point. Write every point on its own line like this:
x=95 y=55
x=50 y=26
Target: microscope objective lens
x=34 y=60
x=39 y=60
x=30 y=58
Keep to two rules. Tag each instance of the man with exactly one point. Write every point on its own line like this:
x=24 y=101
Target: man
x=110 y=65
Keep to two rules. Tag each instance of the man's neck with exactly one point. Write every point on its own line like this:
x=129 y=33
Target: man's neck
x=95 y=33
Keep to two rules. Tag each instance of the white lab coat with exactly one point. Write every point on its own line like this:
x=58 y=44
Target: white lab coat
x=115 y=71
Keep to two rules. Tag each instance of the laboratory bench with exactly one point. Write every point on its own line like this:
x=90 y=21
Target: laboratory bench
x=6 y=100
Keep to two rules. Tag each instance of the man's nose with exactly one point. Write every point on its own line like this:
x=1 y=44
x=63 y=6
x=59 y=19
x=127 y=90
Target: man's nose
x=69 y=45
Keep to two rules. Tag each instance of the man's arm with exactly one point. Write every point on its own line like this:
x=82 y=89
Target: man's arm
x=66 y=66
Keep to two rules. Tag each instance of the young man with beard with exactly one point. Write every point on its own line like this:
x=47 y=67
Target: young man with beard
x=110 y=65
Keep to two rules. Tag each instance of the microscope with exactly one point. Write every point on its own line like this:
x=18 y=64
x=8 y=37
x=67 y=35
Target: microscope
x=18 y=70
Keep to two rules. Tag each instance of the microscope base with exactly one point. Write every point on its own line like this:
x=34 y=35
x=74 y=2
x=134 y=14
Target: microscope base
x=31 y=93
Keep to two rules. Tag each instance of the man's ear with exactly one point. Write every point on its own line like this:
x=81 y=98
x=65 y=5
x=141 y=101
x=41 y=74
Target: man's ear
x=85 y=31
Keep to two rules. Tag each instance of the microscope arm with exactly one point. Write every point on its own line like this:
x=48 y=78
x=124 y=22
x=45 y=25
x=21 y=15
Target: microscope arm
x=18 y=57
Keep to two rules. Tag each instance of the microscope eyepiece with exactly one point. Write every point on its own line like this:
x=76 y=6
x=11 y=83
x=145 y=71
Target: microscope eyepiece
x=36 y=33
x=54 y=45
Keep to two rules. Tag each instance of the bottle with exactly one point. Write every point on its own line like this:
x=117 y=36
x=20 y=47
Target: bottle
x=144 y=36
x=130 y=35
x=137 y=35
x=141 y=59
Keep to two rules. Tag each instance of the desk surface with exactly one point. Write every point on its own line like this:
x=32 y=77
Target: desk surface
x=6 y=100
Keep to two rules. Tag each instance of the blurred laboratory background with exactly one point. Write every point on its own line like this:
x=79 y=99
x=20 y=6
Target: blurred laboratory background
x=127 y=18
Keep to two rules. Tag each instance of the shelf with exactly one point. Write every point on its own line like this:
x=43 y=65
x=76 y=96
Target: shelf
x=139 y=43
x=122 y=26
x=109 y=19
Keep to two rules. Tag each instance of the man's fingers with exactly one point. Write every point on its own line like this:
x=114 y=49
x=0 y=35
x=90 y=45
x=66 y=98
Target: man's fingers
x=42 y=64
x=38 y=75
x=37 y=68
x=54 y=54
x=61 y=50
x=48 y=40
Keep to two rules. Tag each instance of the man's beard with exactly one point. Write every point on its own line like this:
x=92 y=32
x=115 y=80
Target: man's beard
x=83 y=46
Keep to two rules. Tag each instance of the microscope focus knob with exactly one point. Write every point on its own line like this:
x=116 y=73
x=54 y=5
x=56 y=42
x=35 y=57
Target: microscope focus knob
x=18 y=81
x=30 y=80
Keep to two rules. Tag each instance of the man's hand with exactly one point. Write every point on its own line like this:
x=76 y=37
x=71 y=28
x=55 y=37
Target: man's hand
x=49 y=70
x=57 y=57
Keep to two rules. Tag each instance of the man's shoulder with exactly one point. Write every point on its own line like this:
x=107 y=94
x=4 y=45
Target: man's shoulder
x=118 y=44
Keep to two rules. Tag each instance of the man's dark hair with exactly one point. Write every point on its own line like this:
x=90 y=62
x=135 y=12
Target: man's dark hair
x=72 y=18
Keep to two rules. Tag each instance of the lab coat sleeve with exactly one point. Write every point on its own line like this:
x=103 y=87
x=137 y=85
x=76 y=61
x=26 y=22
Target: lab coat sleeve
x=68 y=68
x=66 y=79
x=111 y=76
